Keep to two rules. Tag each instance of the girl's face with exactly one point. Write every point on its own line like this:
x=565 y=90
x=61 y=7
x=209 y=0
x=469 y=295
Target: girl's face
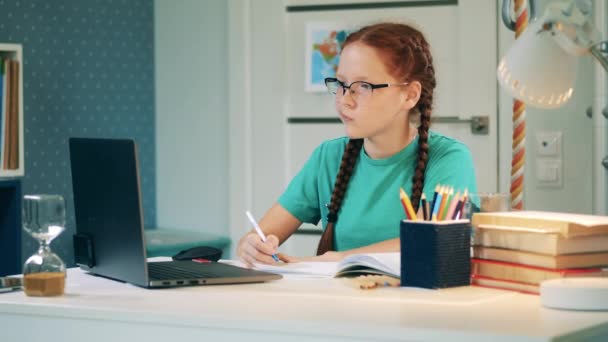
x=370 y=114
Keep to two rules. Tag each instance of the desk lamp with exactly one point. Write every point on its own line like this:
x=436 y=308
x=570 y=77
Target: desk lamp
x=539 y=70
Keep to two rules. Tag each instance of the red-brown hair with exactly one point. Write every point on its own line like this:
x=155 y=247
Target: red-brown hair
x=406 y=55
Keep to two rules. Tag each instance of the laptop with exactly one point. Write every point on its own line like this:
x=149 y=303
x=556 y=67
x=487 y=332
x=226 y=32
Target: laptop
x=109 y=223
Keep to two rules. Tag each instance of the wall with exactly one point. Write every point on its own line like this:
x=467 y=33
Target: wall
x=575 y=192
x=88 y=72
x=192 y=133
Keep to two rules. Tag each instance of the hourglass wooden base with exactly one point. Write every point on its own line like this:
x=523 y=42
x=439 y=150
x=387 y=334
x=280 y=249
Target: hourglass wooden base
x=44 y=284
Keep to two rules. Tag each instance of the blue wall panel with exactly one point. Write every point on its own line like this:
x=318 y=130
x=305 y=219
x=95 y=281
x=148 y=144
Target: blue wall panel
x=88 y=72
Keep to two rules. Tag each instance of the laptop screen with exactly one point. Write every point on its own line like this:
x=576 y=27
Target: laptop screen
x=108 y=206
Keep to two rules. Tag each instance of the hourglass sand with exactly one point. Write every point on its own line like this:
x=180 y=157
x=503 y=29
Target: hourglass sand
x=44 y=220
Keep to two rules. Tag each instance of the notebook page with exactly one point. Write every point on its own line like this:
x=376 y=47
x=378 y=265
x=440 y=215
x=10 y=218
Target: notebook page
x=386 y=262
x=312 y=268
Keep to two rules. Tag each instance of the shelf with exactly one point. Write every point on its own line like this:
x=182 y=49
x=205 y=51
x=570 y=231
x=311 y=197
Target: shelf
x=14 y=52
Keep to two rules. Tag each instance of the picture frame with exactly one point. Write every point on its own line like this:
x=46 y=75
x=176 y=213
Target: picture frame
x=324 y=42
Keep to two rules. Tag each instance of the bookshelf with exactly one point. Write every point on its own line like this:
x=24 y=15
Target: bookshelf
x=14 y=52
x=10 y=184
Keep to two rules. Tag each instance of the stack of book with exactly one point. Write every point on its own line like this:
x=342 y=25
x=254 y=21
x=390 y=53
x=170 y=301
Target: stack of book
x=518 y=250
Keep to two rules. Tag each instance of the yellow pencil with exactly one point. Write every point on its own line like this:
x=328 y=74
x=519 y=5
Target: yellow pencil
x=408 y=205
x=444 y=198
x=448 y=203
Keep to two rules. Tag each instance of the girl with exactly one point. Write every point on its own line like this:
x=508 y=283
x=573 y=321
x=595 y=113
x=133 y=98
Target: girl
x=385 y=80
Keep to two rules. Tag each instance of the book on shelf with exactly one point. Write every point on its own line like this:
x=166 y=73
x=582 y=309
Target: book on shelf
x=528 y=274
x=551 y=244
x=505 y=284
x=568 y=225
x=5 y=114
x=9 y=114
x=13 y=162
x=583 y=260
x=387 y=264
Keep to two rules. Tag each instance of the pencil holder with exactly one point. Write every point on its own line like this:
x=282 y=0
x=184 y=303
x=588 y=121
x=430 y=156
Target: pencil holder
x=435 y=254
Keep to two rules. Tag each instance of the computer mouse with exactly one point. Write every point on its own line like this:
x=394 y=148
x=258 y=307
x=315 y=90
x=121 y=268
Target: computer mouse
x=199 y=252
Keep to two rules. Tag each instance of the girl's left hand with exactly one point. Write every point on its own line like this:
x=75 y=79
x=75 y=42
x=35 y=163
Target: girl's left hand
x=328 y=256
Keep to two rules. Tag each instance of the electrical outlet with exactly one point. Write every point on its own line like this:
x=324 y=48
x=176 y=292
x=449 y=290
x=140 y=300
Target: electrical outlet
x=549 y=144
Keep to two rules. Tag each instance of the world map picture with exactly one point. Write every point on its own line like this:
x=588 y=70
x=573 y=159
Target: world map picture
x=323 y=54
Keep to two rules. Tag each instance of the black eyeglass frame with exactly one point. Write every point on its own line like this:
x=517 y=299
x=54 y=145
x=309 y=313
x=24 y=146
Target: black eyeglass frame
x=372 y=86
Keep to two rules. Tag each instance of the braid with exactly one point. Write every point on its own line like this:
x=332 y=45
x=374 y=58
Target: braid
x=349 y=158
x=425 y=105
x=423 y=155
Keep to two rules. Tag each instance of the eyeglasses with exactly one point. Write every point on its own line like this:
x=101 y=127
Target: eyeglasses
x=359 y=90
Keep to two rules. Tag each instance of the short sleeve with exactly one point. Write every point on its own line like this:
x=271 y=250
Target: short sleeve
x=301 y=198
x=452 y=165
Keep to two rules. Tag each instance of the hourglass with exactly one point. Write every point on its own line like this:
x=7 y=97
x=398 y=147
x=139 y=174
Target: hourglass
x=44 y=220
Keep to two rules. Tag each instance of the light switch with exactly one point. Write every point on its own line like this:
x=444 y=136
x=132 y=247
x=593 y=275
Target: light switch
x=549 y=172
x=549 y=143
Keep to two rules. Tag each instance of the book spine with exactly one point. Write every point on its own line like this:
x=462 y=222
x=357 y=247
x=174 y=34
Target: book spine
x=14 y=129
x=6 y=112
x=525 y=273
x=503 y=284
x=531 y=242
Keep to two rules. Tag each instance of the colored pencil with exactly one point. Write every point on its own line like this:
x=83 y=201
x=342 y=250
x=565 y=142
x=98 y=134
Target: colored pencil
x=453 y=205
x=448 y=203
x=437 y=204
x=405 y=200
x=425 y=213
x=437 y=188
x=458 y=213
x=444 y=198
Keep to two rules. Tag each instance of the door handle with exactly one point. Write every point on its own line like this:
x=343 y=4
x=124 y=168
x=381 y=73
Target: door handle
x=480 y=125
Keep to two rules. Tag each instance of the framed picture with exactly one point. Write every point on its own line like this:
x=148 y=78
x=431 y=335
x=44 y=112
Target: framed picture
x=323 y=45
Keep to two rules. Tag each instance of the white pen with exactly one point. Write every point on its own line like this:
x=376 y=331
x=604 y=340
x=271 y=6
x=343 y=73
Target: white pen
x=259 y=231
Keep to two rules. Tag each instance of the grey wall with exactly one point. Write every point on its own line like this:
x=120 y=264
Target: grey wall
x=88 y=72
x=192 y=136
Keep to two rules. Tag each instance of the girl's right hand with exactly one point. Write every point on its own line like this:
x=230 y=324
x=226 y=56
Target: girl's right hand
x=252 y=249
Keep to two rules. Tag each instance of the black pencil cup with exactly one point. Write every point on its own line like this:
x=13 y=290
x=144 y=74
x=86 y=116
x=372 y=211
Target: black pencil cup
x=435 y=255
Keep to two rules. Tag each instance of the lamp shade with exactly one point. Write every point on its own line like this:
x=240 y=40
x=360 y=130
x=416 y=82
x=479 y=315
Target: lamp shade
x=537 y=70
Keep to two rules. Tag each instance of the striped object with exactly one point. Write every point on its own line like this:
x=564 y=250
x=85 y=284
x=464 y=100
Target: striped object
x=519 y=122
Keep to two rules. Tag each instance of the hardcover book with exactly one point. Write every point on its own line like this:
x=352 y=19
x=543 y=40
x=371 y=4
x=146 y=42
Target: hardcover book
x=568 y=225
x=583 y=260
x=528 y=274
x=551 y=244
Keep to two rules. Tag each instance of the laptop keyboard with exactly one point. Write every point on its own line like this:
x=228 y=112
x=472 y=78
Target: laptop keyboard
x=190 y=270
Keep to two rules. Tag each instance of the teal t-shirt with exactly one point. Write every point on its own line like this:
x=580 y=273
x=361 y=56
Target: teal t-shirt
x=371 y=209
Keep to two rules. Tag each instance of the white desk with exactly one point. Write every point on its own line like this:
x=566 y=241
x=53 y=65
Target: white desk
x=98 y=309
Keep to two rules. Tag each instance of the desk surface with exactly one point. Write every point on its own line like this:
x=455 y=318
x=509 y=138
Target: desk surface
x=293 y=307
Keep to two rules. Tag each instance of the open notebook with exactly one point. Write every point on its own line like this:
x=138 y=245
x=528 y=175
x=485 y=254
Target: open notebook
x=375 y=263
